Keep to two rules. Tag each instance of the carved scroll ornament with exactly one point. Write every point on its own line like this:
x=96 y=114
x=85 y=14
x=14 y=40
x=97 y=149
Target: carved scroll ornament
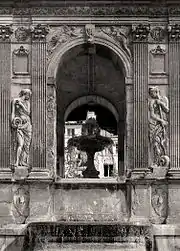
x=21 y=127
x=158 y=128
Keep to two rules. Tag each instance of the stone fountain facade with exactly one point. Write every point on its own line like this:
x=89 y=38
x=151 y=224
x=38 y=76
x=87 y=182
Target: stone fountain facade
x=42 y=80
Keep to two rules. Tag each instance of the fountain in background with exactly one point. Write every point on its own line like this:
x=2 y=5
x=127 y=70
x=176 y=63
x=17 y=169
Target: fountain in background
x=90 y=142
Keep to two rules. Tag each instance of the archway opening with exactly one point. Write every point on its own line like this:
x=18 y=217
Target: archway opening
x=106 y=160
x=93 y=82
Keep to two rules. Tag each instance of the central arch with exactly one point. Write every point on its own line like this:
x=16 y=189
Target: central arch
x=54 y=71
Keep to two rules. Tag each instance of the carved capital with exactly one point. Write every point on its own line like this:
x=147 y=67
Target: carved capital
x=5 y=32
x=39 y=32
x=22 y=33
x=140 y=32
x=174 y=32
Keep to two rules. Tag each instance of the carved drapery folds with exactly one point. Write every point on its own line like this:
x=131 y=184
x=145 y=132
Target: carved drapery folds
x=21 y=127
x=20 y=204
x=158 y=128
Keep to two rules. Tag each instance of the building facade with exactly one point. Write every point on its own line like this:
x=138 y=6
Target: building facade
x=57 y=56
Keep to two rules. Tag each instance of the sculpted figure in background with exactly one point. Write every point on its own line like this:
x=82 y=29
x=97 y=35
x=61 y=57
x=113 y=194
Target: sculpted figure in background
x=21 y=125
x=158 y=136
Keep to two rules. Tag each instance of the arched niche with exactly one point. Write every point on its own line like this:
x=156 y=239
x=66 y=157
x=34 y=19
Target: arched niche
x=71 y=90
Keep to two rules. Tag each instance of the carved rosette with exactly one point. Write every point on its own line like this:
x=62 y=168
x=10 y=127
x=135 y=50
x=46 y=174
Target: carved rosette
x=140 y=32
x=5 y=33
x=39 y=32
x=20 y=204
x=159 y=203
x=174 y=32
x=22 y=33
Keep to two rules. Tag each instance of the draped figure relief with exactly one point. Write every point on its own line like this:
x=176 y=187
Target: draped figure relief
x=21 y=127
x=158 y=128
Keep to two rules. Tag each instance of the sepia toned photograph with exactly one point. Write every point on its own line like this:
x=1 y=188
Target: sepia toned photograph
x=89 y=125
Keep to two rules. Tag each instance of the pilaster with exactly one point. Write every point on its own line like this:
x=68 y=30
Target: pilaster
x=174 y=98
x=5 y=90
x=39 y=99
x=140 y=50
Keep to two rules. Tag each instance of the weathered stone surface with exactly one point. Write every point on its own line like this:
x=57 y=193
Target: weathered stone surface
x=90 y=205
x=173 y=204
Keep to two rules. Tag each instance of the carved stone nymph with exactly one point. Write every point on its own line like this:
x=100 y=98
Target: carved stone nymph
x=90 y=33
x=174 y=32
x=140 y=32
x=5 y=32
x=157 y=34
x=39 y=32
x=159 y=203
x=158 y=128
x=20 y=204
x=120 y=34
x=62 y=35
x=22 y=33
x=21 y=127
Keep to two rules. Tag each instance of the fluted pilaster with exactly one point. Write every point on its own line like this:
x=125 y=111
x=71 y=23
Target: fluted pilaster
x=174 y=96
x=39 y=89
x=5 y=90
x=140 y=47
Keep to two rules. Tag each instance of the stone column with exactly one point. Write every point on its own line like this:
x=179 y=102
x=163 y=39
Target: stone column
x=174 y=98
x=39 y=93
x=140 y=51
x=5 y=107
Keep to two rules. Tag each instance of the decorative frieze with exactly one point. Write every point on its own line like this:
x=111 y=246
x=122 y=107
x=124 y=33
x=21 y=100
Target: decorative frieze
x=158 y=128
x=22 y=34
x=21 y=127
x=140 y=32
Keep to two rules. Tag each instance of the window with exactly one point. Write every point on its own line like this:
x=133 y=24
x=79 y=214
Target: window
x=70 y=131
x=108 y=170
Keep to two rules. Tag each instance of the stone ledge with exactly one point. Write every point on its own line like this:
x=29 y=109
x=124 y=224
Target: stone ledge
x=13 y=230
